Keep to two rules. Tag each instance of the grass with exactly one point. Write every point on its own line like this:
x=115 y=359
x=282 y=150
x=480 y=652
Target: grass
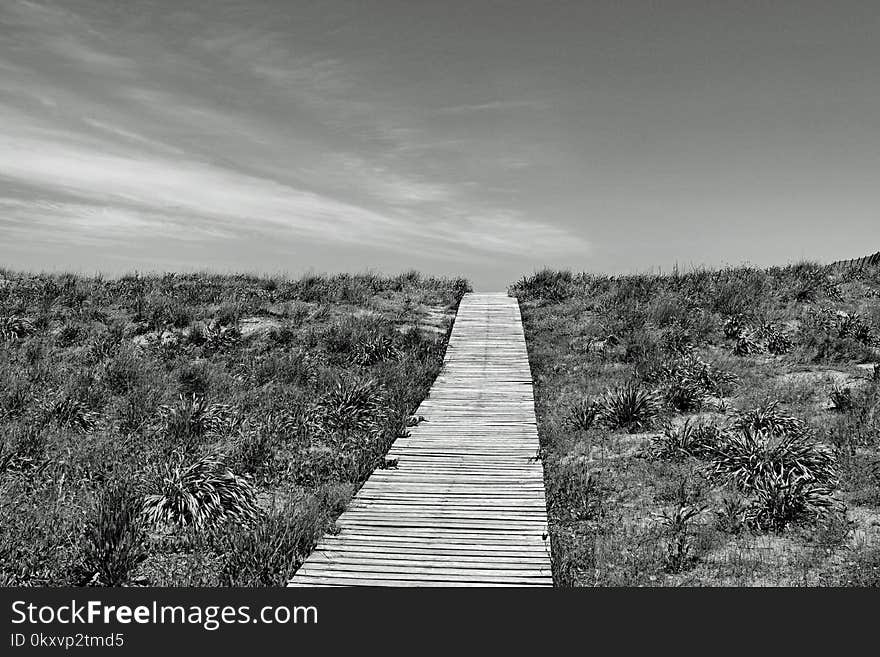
x=199 y=429
x=710 y=427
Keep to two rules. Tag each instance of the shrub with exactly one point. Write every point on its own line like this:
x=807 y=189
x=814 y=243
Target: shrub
x=204 y=494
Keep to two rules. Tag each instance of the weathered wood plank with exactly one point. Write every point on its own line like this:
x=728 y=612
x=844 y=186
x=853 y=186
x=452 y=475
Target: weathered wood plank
x=464 y=504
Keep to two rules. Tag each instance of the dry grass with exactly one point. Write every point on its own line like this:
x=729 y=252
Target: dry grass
x=199 y=429
x=762 y=465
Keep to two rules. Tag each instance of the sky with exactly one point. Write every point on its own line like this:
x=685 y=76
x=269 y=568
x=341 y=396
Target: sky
x=476 y=138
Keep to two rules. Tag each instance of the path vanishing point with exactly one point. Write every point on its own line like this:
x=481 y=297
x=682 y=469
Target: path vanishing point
x=465 y=504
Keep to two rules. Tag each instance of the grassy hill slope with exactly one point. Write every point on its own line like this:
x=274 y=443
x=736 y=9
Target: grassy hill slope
x=712 y=427
x=199 y=429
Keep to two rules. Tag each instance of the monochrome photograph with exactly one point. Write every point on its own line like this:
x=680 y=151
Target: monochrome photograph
x=302 y=294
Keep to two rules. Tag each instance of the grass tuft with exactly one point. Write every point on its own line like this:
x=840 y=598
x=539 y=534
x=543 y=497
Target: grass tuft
x=202 y=494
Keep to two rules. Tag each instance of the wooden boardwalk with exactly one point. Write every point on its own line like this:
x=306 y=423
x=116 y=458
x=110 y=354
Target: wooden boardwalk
x=465 y=505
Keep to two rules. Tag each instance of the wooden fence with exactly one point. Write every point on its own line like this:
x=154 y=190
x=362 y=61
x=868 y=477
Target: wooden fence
x=859 y=263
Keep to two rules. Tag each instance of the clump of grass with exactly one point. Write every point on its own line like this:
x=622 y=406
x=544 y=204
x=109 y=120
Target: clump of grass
x=218 y=338
x=687 y=382
x=748 y=456
x=270 y=552
x=768 y=457
x=836 y=336
x=677 y=524
x=678 y=341
x=854 y=326
x=775 y=340
x=546 y=284
x=297 y=367
x=202 y=494
x=630 y=407
x=65 y=411
x=583 y=414
x=734 y=327
x=766 y=338
x=731 y=516
x=257 y=446
x=788 y=476
x=690 y=440
x=781 y=499
x=575 y=493
x=808 y=285
x=748 y=344
x=113 y=543
x=193 y=418
x=15 y=398
x=350 y=407
x=14 y=327
x=683 y=395
x=254 y=452
x=375 y=349
x=841 y=399
x=767 y=418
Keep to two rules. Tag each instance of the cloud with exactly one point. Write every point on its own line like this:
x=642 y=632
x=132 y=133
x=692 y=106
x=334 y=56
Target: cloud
x=186 y=189
x=228 y=132
x=494 y=106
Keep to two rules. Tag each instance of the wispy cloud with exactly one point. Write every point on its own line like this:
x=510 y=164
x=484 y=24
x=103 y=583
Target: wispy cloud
x=495 y=106
x=106 y=136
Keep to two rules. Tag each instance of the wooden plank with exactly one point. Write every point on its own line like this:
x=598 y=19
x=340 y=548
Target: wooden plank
x=432 y=544
x=371 y=552
x=464 y=505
